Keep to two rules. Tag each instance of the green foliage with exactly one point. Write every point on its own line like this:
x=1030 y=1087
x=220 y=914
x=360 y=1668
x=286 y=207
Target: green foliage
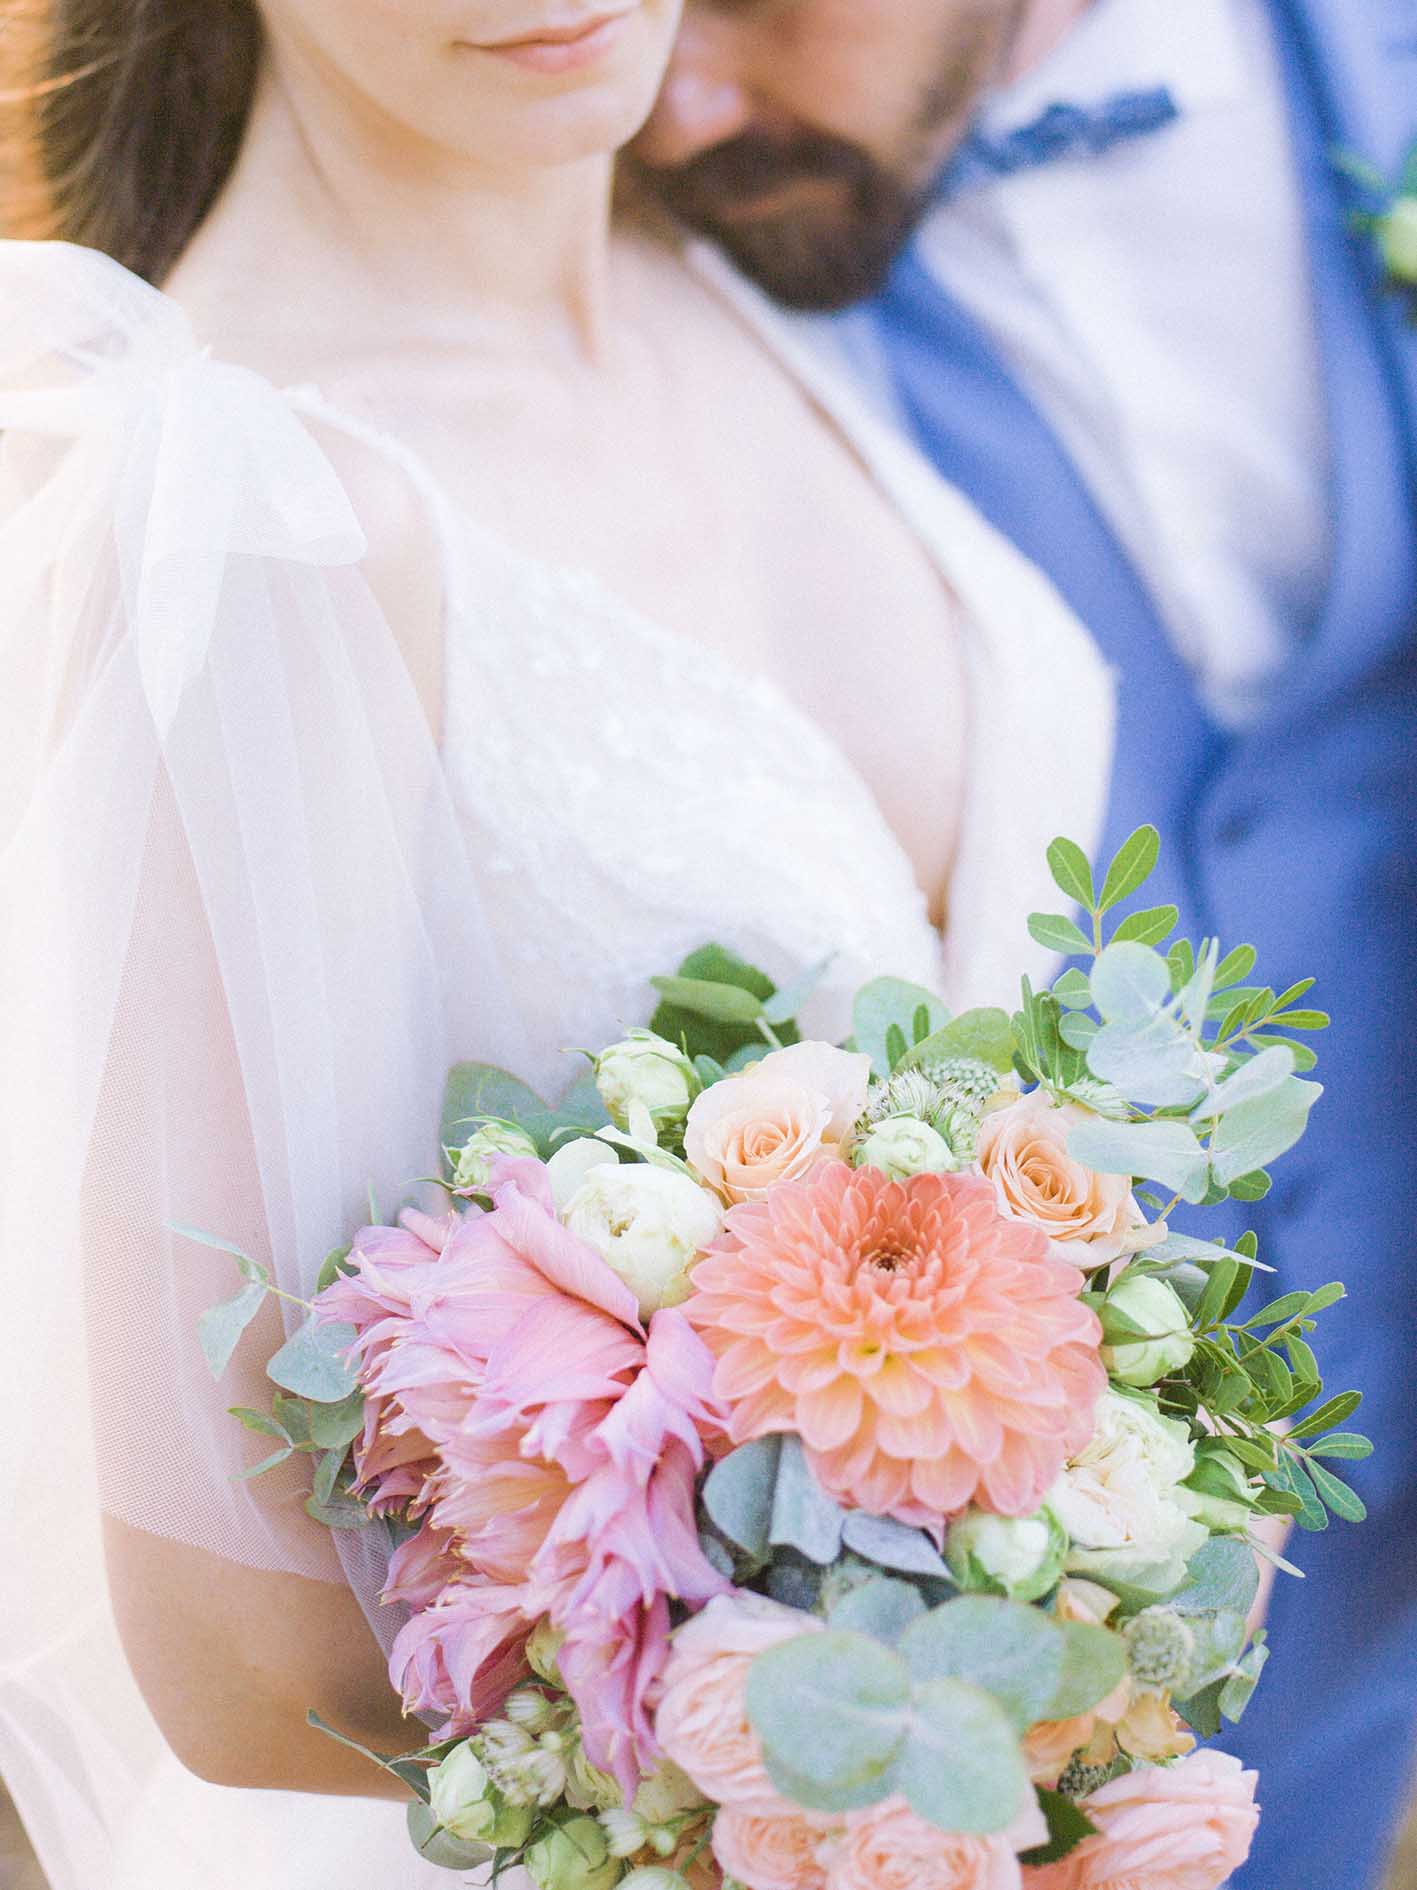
x=986 y=1035
x=1068 y=1825
x=719 y=1023
x=313 y=1362
x=890 y=1017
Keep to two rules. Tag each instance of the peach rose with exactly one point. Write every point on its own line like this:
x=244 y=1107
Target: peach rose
x=702 y=1718
x=1182 y=1827
x=772 y=1850
x=890 y=1848
x=1090 y=1219
x=776 y=1120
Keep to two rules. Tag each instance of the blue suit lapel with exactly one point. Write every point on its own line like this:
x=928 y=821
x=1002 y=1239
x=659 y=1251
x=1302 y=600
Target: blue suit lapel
x=1369 y=360
x=1363 y=55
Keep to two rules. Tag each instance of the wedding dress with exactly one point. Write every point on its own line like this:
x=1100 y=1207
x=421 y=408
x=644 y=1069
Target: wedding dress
x=250 y=912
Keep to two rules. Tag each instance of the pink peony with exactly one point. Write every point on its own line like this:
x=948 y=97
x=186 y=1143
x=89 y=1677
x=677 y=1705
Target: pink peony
x=702 y=1720
x=927 y=1350
x=1181 y=1827
x=774 y=1850
x=889 y=1848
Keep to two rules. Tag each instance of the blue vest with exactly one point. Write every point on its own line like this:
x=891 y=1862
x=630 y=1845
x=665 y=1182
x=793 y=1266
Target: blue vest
x=1300 y=837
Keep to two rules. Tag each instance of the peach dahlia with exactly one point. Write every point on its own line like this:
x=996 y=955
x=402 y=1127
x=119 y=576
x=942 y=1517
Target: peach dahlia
x=928 y=1352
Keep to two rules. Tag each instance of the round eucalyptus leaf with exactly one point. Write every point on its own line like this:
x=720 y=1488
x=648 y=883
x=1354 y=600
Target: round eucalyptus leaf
x=1130 y=983
x=1012 y=1651
x=961 y=1766
x=831 y=1707
x=1094 y=1661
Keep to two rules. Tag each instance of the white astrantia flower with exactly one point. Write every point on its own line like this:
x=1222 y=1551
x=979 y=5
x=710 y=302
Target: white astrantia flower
x=649 y=1224
x=1120 y=1498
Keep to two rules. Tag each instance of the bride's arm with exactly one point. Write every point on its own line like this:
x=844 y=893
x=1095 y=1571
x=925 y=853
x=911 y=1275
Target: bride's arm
x=229 y=1600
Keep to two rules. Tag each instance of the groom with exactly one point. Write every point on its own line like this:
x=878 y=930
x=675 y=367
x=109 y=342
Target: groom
x=1098 y=261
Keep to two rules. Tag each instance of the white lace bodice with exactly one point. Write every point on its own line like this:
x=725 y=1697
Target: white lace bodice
x=631 y=797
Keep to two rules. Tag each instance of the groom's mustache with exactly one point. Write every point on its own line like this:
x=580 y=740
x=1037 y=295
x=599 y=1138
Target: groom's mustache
x=815 y=219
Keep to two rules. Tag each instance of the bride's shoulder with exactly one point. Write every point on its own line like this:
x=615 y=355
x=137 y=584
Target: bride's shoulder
x=189 y=420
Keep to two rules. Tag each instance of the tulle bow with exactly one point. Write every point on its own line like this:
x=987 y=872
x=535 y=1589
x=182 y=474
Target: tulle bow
x=193 y=460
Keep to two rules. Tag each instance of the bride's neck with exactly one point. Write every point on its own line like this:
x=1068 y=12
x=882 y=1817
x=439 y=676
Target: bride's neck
x=467 y=254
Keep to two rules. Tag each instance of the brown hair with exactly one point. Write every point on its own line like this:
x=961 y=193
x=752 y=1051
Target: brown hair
x=123 y=119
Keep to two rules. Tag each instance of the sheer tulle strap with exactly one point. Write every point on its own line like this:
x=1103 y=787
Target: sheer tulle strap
x=206 y=460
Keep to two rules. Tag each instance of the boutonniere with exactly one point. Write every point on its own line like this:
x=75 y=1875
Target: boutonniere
x=1390 y=218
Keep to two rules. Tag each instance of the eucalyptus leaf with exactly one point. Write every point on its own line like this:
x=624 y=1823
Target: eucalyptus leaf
x=882 y=1607
x=1094 y=1663
x=325 y=1474
x=891 y=1001
x=334 y=1426
x=1014 y=1652
x=220 y=1328
x=266 y=1463
x=1236 y=1692
x=1221 y=1576
x=1255 y=1133
x=1155 y=1062
x=833 y=1707
x=738 y=1495
x=986 y=1034
x=1259 y=1076
x=1130 y=983
x=1074 y=989
x=1168 y=1152
x=961 y=1767
x=480 y=1089
x=804 y=1517
x=893 y=1545
x=312 y=1364
x=439 y=1847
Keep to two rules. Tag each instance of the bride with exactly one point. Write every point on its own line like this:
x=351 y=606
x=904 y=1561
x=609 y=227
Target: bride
x=435 y=599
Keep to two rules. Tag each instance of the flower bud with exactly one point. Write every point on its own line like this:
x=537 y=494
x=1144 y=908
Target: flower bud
x=902 y=1146
x=1158 y=1310
x=1397 y=235
x=1018 y=1556
x=649 y=1224
x=463 y=1801
x=473 y=1168
x=625 y=1831
x=587 y=1787
x=1159 y=1648
x=572 y=1856
x=541 y=1652
x=665 y=1793
x=528 y=1707
x=649 y=1071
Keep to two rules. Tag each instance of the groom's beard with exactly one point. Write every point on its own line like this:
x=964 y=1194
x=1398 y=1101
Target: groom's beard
x=812 y=218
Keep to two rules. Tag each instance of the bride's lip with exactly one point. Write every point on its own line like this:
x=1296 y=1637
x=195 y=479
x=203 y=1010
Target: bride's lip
x=564 y=48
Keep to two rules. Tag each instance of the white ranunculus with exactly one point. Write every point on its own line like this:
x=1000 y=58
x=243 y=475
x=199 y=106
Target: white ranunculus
x=1119 y=1498
x=647 y=1070
x=649 y=1223
x=902 y=1146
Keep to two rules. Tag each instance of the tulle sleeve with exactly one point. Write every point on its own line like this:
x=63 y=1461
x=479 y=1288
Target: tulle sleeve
x=240 y=941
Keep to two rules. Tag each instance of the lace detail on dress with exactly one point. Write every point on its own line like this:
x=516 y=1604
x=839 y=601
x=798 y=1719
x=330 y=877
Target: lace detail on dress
x=630 y=795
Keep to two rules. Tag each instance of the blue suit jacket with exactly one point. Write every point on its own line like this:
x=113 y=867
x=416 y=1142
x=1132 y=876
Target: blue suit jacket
x=1299 y=836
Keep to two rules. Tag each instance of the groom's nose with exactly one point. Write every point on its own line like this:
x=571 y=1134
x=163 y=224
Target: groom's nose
x=705 y=100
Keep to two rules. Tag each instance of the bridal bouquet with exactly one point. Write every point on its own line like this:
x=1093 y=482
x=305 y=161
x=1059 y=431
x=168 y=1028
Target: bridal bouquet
x=822 y=1467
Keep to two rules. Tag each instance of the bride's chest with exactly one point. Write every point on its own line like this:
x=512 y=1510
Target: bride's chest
x=629 y=795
